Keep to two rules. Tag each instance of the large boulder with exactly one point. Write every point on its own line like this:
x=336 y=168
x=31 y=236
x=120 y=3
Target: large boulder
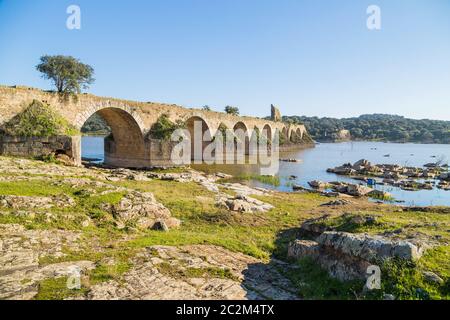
x=315 y=226
x=242 y=203
x=143 y=209
x=370 y=248
x=347 y=256
x=343 y=170
x=304 y=248
x=361 y=164
x=380 y=194
x=445 y=176
x=316 y=184
x=358 y=190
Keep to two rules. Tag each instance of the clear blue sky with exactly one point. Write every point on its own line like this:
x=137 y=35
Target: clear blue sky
x=310 y=57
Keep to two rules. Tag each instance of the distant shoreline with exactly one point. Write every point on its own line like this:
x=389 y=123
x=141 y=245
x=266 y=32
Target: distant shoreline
x=381 y=141
x=376 y=127
x=101 y=134
x=105 y=134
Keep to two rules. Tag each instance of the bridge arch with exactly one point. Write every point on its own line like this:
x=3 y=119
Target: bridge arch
x=267 y=132
x=197 y=122
x=242 y=135
x=84 y=116
x=125 y=146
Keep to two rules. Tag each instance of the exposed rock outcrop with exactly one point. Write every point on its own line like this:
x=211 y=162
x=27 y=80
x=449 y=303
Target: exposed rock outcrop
x=26 y=203
x=143 y=210
x=347 y=256
x=20 y=252
x=242 y=203
x=217 y=274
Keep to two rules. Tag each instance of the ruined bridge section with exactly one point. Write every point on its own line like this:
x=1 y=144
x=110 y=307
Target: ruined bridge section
x=130 y=122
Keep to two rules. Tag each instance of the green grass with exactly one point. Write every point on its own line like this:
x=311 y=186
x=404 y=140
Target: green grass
x=38 y=188
x=103 y=273
x=170 y=170
x=86 y=205
x=437 y=260
x=56 y=289
x=314 y=283
x=429 y=223
x=405 y=281
x=268 y=180
x=203 y=223
x=386 y=198
x=185 y=273
x=402 y=279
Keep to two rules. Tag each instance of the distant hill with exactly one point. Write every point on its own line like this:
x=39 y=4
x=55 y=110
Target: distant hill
x=377 y=127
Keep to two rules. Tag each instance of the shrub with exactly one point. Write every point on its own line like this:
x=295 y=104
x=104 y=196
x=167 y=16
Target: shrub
x=38 y=120
x=164 y=127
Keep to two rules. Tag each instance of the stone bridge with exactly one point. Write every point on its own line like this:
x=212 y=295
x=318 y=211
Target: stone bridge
x=130 y=123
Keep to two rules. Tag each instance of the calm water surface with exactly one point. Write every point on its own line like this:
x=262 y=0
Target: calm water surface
x=314 y=163
x=93 y=148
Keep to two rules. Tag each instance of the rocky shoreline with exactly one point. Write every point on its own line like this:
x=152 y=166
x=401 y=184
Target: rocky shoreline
x=130 y=234
x=407 y=178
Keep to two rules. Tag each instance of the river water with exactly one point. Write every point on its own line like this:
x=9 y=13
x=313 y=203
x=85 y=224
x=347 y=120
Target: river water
x=315 y=161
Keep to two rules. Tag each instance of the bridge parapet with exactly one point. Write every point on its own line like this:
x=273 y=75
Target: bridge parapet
x=130 y=121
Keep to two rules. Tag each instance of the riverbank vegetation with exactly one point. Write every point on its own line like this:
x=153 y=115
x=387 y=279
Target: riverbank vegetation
x=377 y=127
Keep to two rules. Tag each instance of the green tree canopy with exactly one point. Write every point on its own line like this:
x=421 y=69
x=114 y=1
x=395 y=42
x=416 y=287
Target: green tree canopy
x=232 y=110
x=68 y=74
x=379 y=127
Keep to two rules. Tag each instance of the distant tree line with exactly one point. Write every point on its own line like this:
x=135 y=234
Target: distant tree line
x=96 y=125
x=377 y=127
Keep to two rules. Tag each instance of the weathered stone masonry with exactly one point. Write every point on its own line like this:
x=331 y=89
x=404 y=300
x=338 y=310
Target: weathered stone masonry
x=130 y=123
x=40 y=146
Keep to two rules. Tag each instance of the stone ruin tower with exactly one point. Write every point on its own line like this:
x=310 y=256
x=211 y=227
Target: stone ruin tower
x=275 y=114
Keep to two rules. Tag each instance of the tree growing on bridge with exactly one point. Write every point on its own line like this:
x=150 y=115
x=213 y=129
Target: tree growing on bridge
x=232 y=110
x=69 y=75
x=164 y=127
